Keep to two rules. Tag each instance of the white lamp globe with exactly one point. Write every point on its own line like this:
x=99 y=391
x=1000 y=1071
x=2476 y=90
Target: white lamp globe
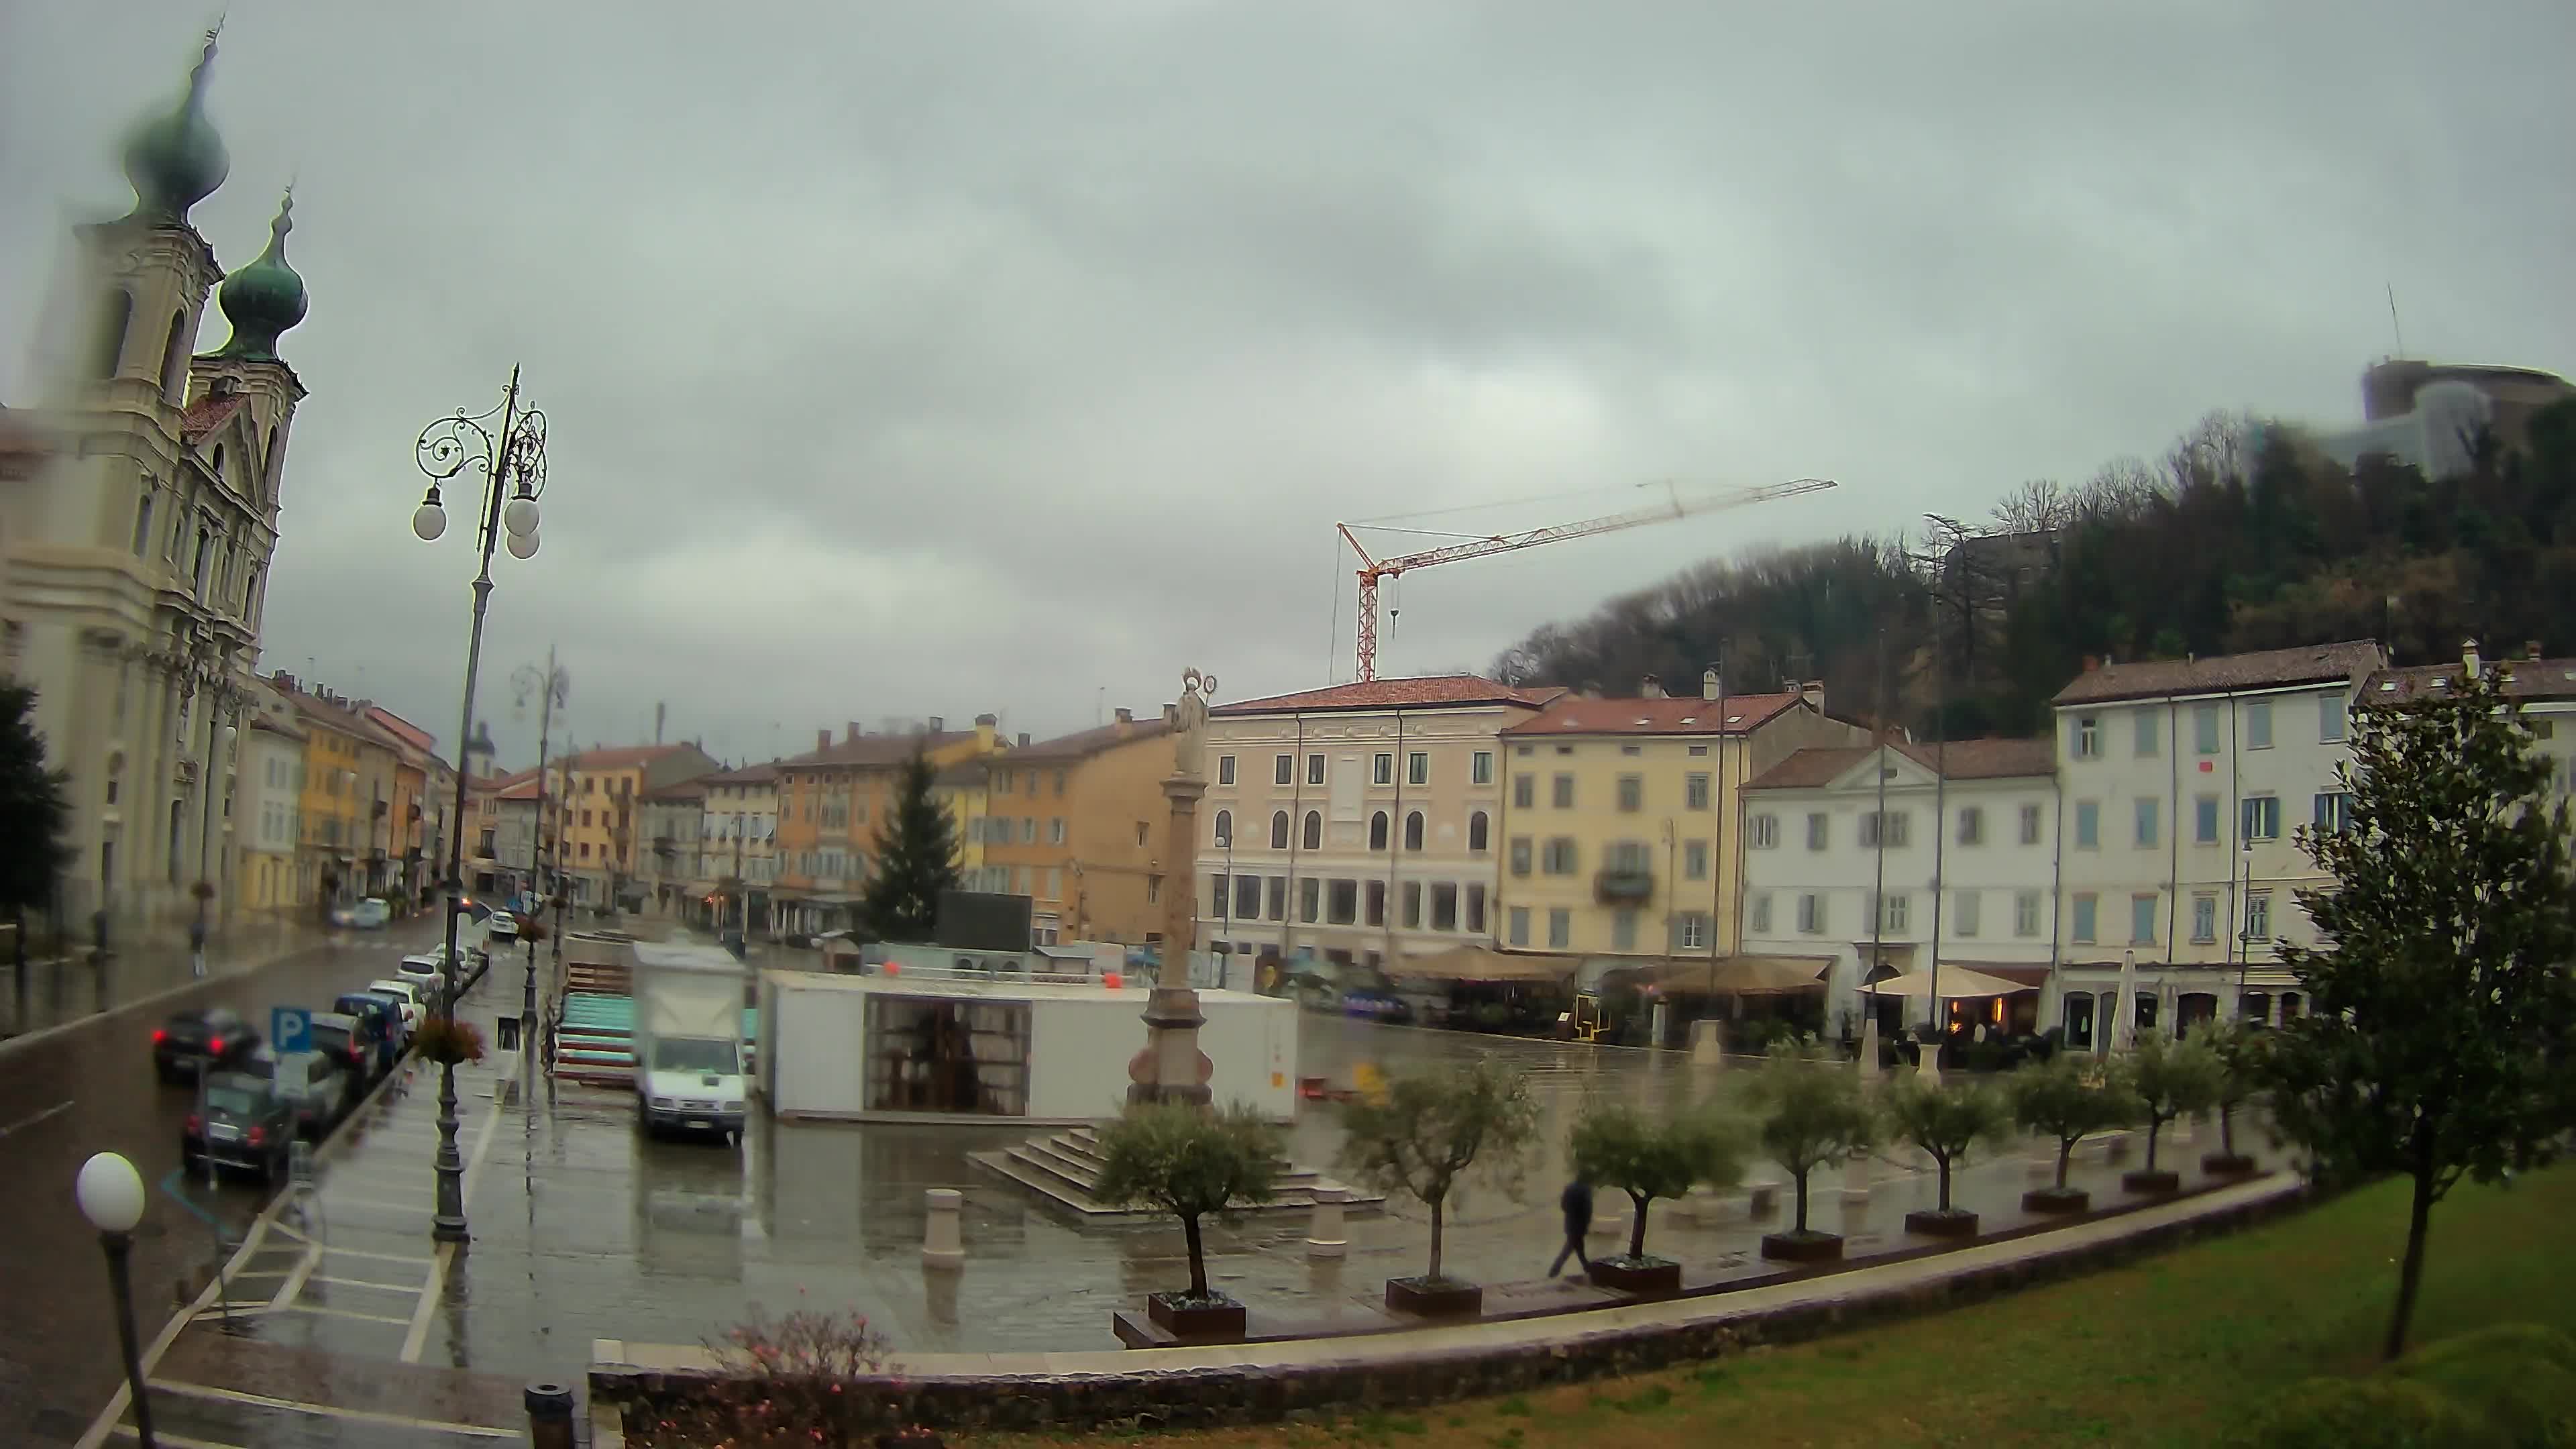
x=428 y=521
x=110 y=1193
x=520 y=515
x=523 y=545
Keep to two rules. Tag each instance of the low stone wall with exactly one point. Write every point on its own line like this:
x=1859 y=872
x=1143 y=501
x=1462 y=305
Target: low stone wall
x=1273 y=1381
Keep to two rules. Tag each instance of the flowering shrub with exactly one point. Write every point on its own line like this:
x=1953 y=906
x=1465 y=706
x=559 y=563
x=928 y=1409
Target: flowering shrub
x=449 y=1042
x=805 y=1377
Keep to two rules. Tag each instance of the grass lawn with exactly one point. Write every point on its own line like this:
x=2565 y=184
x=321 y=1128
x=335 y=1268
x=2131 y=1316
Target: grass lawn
x=2161 y=1353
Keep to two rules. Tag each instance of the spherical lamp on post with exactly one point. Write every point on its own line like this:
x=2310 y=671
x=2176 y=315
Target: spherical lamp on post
x=110 y=1193
x=513 y=465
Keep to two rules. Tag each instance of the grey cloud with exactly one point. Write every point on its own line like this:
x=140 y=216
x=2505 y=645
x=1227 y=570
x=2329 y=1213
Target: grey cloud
x=934 y=359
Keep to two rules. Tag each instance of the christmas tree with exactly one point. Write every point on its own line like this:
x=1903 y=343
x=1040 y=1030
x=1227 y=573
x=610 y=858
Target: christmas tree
x=916 y=860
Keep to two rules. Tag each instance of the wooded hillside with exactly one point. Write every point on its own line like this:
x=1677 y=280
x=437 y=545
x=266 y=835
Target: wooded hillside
x=2241 y=537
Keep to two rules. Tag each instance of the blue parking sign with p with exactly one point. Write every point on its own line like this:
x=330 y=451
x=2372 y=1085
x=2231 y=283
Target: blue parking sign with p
x=290 y=1029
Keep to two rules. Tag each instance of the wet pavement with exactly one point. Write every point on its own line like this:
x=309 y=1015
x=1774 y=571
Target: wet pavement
x=583 y=1229
x=89 y=1086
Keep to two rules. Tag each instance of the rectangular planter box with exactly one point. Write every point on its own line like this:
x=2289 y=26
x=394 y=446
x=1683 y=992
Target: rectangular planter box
x=2153 y=1184
x=1444 y=1300
x=1207 y=1322
x=1935 y=1224
x=1811 y=1247
x=1653 y=1277
x=2056 y=1200
x=2220 y=1164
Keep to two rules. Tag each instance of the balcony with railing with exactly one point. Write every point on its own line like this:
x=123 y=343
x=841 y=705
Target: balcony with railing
x=1622 y=885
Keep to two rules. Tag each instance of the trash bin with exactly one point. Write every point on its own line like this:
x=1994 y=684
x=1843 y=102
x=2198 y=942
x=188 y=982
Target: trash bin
x=509 y=1033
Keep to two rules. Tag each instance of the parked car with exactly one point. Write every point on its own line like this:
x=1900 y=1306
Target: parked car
x=186 y=1044
x=355 y=1043
x=428 y=972
x=242 y=1122
x=502 y=928
x=370 y=914
x=415 y=1003
x=384 y=1013
x=311 y=1082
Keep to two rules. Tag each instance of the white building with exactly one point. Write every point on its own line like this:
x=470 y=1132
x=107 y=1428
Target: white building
x=2182 y=783
x=268 y=820
x=1881 y=858
x=2546 y=687
x=1362 y=818
x=738 y=841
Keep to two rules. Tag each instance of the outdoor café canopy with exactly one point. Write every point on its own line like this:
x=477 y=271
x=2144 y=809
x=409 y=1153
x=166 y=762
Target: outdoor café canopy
x=1956 y=982
x=1479 y=963
x=1744 y=975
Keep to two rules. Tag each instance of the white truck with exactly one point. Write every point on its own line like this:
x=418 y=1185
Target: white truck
x=688 y=1040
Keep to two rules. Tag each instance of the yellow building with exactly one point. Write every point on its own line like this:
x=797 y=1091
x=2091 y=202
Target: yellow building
x=601 y=808
x=830 y=803
x=343 y=758
x=1615 y=811
x=965 y=792
x=1078 y=825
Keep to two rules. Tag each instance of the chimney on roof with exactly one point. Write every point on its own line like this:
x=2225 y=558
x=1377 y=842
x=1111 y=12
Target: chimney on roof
x=823 y=738
x=1710 y=686
x=1650 y=687
x=284 y=681
x=2469 y=657
x=851 y=730
x=938 y=724
x=1024 y=739
x=1126 y=724
x=988 y=720
x=659 y=711
x=2092 y=663
x=2531 y=649
x=1813 y=692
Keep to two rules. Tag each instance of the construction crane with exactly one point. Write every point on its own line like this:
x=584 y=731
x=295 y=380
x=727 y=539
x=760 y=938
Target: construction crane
x=1374 y=571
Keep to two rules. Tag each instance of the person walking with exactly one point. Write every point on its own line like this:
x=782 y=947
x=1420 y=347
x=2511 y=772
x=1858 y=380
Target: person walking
x=197 y=947
x=1576 y=1200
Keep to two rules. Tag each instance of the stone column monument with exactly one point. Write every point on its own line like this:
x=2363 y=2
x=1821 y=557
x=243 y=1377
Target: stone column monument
x=1171 y=1068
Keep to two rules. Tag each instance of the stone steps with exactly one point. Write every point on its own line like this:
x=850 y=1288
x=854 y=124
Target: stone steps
x=1064 y=1169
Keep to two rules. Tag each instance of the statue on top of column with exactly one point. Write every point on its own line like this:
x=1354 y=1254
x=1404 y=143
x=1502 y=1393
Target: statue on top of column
x=1188 y=719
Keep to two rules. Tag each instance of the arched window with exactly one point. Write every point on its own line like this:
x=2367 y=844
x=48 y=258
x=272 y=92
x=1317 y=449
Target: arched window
x=174 y=360
x=116 y=313
x=1314 y=830
x=1279 y=830
x=1377 y=831
x=219 y=462
x=270 y=460
x=143 y=525
x=1225 y=827
x=1413 y=830
x=1478 y=832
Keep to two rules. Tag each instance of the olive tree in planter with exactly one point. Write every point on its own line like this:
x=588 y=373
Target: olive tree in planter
x=1616 y=1144
x=1192 y=1164
x=1948 y=1119
x=1814 y=1111
x=2068 y=1098
x=2172 y=1079
x=1421 y=1135
x=2240 y=1050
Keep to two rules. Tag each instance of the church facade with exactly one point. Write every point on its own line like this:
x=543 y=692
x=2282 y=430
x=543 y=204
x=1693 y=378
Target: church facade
x=137 y=531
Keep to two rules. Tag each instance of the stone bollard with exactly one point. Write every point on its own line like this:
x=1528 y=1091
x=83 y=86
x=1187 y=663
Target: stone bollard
x=1706 y=1049
x=1761 y=1197
x=1856 y=1182
x=549 y=1416
x=941 y=1244
x=1324 y=1238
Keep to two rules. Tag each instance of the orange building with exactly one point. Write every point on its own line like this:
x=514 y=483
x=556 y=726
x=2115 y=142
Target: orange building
x=601 y=805
x=831 y=801
x=1077 y=824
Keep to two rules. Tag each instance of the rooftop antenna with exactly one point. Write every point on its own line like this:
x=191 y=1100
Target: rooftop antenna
x=2394 y=326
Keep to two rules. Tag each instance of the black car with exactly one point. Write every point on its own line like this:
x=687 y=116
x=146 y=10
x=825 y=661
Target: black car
x=354 y=1042
x=240 y=1121
x=191 y=1041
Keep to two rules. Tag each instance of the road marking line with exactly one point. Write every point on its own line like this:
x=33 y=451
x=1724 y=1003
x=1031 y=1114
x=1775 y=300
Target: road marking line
x=412 y=1258
x=175 y=1441
x=55 y=1110
x=363 y=1283
x=344 y=1313
x=293 y=1288
x=367 y=1416
x=417 y=1336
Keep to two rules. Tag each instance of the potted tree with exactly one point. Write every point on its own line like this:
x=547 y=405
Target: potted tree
x=1947 y=1119
x=1191 y=1164
x=1618 y=1145
x=1419 y=1135
x=2240 y=1050
x=1814 y=1112
x=2172 y=1079
x=2069 y=1098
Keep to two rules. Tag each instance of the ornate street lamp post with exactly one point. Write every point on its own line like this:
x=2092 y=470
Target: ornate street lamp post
x=553 y=686
x=110 y=1193
x=513 y=464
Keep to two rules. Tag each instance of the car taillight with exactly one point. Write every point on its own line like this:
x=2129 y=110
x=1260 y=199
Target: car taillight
x=216 y=1046
x=357 y=1053
x=159 y=1037
x=195 y=1124
x=258 y=1135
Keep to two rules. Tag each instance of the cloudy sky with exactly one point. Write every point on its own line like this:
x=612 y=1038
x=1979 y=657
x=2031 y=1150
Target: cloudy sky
x=915 y=358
